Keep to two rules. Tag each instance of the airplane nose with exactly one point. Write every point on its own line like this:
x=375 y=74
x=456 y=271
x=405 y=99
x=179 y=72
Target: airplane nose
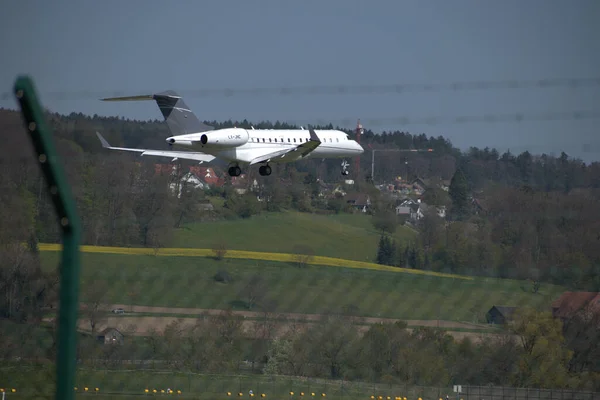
x=170 y=140
x=360 y=148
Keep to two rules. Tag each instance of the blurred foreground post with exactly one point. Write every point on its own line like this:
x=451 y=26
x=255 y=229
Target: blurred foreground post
x=64 y=204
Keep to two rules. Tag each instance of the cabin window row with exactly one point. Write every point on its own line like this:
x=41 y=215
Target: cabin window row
x=257 y=140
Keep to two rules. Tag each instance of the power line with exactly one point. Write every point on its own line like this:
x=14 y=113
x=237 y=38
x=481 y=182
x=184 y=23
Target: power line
x=489 y=118
x=436 y=120
x=346 y=89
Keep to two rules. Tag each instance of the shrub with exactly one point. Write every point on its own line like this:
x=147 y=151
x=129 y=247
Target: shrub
x=223 y=276
x=302 y=255
x=220 y=250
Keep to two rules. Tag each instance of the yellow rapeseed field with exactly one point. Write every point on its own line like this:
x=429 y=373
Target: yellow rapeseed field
x=252 y=255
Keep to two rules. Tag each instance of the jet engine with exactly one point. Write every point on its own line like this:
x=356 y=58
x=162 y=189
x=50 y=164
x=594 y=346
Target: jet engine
x=223 y=138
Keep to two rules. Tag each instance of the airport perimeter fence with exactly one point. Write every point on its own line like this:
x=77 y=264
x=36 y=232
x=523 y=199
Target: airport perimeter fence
x=298 y=388
x=512 y=393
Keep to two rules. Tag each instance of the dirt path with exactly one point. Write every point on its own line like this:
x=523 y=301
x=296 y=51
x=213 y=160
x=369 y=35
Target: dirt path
x=290 y=316
x=144 y=325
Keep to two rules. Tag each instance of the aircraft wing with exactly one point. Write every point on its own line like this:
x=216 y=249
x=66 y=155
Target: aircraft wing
x=187 y=155
x=298 y=152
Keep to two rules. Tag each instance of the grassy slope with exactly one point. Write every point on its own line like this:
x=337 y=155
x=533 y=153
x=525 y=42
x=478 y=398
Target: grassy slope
x=345 y=236
x=187 y=282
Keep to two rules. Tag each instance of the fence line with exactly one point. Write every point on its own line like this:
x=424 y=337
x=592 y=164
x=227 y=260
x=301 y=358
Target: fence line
x=512 y=393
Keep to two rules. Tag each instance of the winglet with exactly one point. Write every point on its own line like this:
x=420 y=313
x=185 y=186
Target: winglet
x=103 y=141
x=313 y=135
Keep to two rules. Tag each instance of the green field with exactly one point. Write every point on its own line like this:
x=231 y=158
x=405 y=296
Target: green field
x=348 y=236
x=188 y=282
x=134 y=383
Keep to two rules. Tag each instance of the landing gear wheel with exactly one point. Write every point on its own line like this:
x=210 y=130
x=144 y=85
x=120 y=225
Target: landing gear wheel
x=234 y=171
x=264 y=170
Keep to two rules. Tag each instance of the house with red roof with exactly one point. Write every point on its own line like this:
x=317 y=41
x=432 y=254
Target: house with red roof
x=206 y=175
x=571 y=303
x=200 y=177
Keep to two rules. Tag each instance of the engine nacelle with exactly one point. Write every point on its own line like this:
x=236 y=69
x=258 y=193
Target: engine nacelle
x=223 y=138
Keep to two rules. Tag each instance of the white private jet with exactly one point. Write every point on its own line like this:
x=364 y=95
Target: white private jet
x=237 y=147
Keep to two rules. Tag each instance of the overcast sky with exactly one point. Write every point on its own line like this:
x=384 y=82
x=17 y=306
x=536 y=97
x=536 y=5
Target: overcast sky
x=145 y=46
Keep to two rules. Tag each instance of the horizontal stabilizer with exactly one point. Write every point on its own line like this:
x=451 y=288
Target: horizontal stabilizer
x=130 y=98
x=179 y=117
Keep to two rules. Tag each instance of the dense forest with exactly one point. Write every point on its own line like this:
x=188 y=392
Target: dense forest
x=536 y=217
x=510 y=232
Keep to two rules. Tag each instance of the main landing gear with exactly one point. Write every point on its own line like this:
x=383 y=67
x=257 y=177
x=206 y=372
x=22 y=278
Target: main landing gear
x=234 y=171
x=345 y=167
x=264 y=170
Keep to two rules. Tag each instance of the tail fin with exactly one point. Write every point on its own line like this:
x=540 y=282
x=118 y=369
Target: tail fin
x=178 y=116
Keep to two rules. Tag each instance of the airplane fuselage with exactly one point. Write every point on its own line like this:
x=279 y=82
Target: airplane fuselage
x=238 y=144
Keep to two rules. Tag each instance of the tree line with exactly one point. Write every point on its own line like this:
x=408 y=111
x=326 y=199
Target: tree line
x=543 y=171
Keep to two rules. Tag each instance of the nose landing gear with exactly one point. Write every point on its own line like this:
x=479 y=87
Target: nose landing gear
x=345 y=167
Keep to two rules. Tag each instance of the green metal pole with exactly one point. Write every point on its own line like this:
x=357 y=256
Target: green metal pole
x=64 y=204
